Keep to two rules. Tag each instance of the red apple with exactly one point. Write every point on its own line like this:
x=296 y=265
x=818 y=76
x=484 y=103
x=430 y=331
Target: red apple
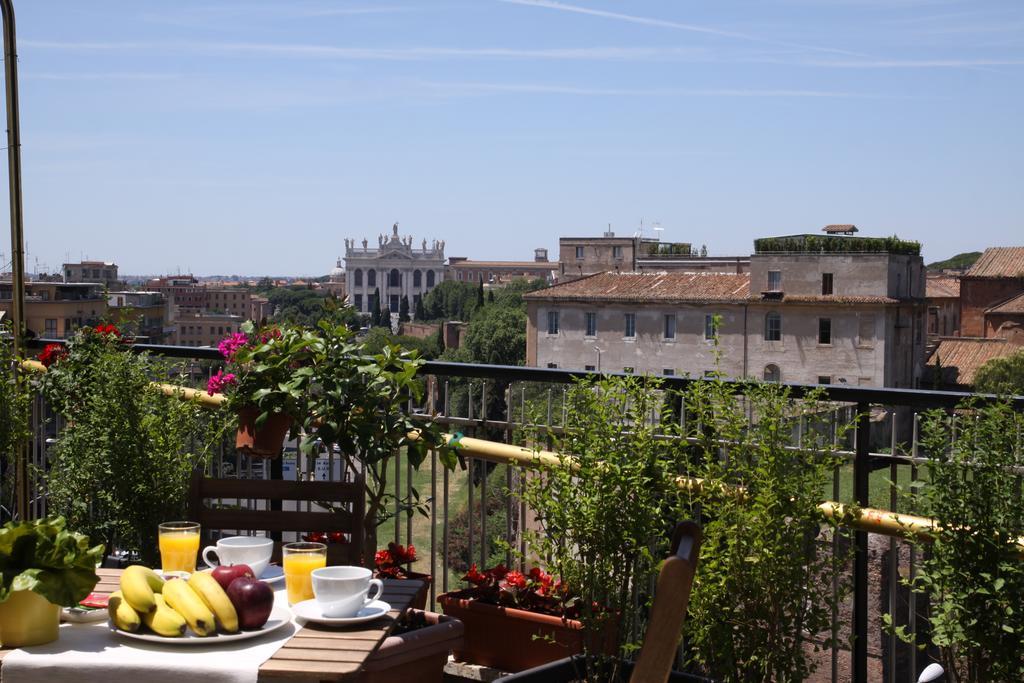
x=253 y=600
x=226 y=573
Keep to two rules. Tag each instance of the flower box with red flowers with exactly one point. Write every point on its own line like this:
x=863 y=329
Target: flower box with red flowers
x=514 y=621
x=394 y=562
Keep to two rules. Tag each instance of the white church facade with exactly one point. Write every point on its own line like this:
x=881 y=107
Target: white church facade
x=394 y=267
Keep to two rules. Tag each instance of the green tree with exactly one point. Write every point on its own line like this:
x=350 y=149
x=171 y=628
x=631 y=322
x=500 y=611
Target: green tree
x=1001 y=375
x=480 y=294
x=497 y=335
x=451 y=300
x=403 y=310
x=421 y=314
x=375 y=309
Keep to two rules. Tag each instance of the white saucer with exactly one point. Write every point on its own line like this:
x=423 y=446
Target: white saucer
x=309 y=610
x=272 y=574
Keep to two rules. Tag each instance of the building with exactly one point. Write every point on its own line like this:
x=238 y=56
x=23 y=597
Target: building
x=994 y=279
x=56 y=309
x=96 y=272
x=395 y=268
x=1005 y=316
x=955 y=362
x=462 y=269
x=143 y=314
x=335 y=284
x=229 y=300
x=579 y=256
x=182 y=291
x=693 y=263
x=205 y=329
x=943 y=295
x=799 y=315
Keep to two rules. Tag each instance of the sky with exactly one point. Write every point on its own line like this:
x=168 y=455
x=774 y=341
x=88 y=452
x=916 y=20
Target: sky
x=240 y=136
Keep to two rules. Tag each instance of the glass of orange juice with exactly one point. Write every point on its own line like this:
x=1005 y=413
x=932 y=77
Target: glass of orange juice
x=179 y=545
x=300 y=559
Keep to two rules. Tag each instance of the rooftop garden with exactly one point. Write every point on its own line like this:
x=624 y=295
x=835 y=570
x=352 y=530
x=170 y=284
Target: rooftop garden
x=836 y=244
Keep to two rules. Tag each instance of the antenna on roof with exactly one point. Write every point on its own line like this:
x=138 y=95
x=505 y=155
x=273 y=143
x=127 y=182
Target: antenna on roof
x=658 y=230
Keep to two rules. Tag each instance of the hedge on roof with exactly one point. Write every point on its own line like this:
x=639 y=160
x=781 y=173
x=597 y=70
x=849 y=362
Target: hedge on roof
x=832 y=244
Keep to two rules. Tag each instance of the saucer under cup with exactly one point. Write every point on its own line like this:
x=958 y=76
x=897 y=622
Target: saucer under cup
x=254 y=551
x=343 y=591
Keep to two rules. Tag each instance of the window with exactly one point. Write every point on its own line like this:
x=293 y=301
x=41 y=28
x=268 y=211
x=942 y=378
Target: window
x=394 y=278
x=866 y=330
x=709 y=326
x=371 y=278
x=359 y=302
x=826 y=283
x=628 y=370
x=393 y=303
x=670 y=326
x=668 y=372
x=579 y=253
x=773 y=327
x=774 y=280
x=824 y=379
x=552 y=365
x=772 y=373
x=630 y=331
x=590 y=368
x=417 y=278
x=552 y=322
x=220 y=330
x=50 y=327
x=430 y=279
x=591 y=324
x=617 y=252
x=824 y=330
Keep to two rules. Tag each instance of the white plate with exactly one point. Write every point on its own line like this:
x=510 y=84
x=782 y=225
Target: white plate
x=74 y=615
x=279 y=616
x=310 y=611
x=272 y=574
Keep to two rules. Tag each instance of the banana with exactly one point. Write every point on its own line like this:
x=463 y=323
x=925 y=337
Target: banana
x=182 y=599
x=214 y=597
x=163 y=620
x=122 y=614
x=138 y=585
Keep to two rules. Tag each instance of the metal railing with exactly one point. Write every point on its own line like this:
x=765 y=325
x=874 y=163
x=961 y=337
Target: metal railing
x=476 y=514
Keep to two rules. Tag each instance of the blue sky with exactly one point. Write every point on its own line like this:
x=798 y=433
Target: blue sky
x=253 y=137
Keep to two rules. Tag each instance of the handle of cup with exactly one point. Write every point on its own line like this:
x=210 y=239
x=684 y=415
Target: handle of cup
x=380 y=589
x=206 y=556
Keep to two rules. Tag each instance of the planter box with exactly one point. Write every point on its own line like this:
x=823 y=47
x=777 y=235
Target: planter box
x=503 y=637
x=418 y=655
x=420 y=600
x=568 y=669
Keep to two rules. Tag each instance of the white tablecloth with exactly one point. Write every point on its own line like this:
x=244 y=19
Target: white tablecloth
x=92 y=652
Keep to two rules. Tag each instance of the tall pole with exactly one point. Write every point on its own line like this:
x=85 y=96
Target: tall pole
x=17 y=226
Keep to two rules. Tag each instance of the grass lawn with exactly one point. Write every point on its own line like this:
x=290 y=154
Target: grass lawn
x=878 y=486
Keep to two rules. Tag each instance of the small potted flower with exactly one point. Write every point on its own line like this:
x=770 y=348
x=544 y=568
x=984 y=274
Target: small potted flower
x=395 y=562
x=266 y=382
x=43 y=567
x=514 y=621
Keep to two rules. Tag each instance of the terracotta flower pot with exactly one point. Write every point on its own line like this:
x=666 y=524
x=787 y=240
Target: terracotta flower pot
x=503 y=637
x=420 y=600
x=265 y=441
x=418 y=655
x=27 y=618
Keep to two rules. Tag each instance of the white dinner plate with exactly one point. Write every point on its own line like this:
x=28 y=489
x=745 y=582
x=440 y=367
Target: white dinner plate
x=279 y=616
x=310 y=611
x=272 y=574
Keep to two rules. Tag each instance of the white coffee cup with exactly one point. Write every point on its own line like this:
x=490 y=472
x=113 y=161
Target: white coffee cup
x=254 y=551
x=343 y=591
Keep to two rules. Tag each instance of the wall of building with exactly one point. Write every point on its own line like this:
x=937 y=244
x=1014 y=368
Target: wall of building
x=852 y=274
x=978 y=294
x=598 y=255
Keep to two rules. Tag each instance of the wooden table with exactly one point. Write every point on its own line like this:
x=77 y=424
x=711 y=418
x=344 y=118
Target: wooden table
x=316 y=653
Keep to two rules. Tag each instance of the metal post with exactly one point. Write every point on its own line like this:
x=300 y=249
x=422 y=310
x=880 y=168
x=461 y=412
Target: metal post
x=17 y=228
x=861 y=472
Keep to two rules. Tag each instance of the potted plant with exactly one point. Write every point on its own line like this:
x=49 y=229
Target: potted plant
x=266 y=381
x=14 y=410
x=43 y=567
x=514 y=621
x=395 y=562
x=417 y=650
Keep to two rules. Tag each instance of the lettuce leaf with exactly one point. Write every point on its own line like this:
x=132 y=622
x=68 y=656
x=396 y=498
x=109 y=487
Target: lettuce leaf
x=44 y=557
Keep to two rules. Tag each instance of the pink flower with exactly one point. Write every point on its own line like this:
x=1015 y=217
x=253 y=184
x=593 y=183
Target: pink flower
x=219 y=382
x=230 y=345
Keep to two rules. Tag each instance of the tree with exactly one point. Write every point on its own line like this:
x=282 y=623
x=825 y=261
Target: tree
x=403 y=310
x=490 y=296
x=420 y=312
x=480 y=293
x=1001 y=375
x=497 y=335
x=375 y=310
x=451 y=300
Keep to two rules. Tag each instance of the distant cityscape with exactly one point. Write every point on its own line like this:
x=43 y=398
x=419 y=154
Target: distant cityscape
x=827 y=307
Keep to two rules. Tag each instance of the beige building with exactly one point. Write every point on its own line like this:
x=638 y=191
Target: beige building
x=205 y=329
x=943 y=294
x=97 y=272
x=395 y=267
x=462 y=269
x=56 y=309
x=143 y=314
x=838 y=318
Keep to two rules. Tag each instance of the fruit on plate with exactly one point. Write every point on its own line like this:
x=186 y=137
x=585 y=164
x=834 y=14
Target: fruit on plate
x=226 y=573
x=253 y=600
x=186 y=602
x=122 y=614
x=216 y=599
x=163 y=620
x=139 y=585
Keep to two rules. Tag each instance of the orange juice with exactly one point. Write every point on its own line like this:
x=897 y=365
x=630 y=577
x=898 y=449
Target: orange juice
x=178 y=551
x=297 y=569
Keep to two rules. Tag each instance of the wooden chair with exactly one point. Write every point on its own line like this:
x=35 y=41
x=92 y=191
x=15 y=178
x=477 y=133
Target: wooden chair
x=347 y=499
x=665 y=624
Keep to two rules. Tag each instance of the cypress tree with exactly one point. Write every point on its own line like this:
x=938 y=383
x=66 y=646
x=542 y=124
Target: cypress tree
x=375 y=310
x=421 y=313
x=490 y=296
x=480 y=294
x=403 y=310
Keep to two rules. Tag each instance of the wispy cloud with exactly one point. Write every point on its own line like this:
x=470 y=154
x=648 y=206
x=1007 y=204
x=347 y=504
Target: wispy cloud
x=677 y=25
x=554 y=89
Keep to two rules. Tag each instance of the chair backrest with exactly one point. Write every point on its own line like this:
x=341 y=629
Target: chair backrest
x=280 y=506
x=671 y=598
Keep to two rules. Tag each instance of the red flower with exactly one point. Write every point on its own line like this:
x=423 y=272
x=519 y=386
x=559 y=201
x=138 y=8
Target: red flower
x=315 y=537
x=515 y=579
x=337 y=537
x=52 y=353
x=382 y=559
x=108 y=329
x=498 y=572
x=476 y=578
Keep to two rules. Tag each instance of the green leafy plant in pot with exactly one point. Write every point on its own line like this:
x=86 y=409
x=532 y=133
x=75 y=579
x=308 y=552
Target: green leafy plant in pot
x=14 y=413
x=44 y=567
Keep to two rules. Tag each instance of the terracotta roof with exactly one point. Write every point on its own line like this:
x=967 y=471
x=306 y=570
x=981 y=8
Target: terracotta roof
x=961 y=357
x=942 y=287
x=827 y=299
x=999 y=262
x=640 y=287
x=834 y=228
x=1014 y=305
x=528 y=265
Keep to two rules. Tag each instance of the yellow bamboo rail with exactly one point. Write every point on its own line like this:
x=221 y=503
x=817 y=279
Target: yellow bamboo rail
x=873 y=520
